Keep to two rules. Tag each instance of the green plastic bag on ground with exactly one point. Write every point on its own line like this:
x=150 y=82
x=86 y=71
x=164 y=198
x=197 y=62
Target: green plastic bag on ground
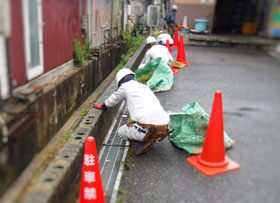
x=190 y=126
x=157 y=75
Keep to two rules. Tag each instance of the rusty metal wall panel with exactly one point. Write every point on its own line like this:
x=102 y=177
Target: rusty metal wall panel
x=16 y=46
x=62 y=23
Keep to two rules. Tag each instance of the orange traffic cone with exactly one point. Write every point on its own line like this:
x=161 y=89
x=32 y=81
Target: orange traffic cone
x=168 y=46
x=91 y=189
x=181 y=57
x=213 y=160
x=174 y=70
x=175 y=40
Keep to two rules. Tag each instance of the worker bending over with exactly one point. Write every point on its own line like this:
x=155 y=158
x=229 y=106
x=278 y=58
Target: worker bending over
x=155 y=51
x=150 y=121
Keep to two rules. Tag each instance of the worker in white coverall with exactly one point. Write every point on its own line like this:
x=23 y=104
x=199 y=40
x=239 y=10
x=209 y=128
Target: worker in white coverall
x=163 y=37
x=144 y=108
x=156 y=51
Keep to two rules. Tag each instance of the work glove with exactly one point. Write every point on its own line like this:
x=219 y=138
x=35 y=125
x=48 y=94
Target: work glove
x=100 y=106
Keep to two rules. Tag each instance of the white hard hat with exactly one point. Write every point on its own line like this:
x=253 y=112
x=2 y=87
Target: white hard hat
x=150 y=39
x=122 y=73
x=174 y=7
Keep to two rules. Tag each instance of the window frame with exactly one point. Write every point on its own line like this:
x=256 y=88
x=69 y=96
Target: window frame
x=33 y=72
x=4 y=79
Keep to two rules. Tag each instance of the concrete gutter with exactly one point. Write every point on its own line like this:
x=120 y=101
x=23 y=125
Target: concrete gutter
x=57 y=180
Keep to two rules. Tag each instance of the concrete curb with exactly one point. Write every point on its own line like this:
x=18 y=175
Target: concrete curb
x=227 y=41
x=60 y=175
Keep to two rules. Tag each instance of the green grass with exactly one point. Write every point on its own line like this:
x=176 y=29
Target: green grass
x=129 y=156
x=83 y=113
x=121 y=196
x=134 y=43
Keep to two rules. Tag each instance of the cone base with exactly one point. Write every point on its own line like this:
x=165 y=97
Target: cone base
x=174 y=47
x=175 y=71
x=209 y=171
x=186 y=63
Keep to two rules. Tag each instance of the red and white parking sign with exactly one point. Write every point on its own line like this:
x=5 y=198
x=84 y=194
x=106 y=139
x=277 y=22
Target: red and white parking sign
x=91 y=189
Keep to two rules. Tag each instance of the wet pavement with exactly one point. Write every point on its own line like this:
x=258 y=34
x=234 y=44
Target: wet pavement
x=250 y=85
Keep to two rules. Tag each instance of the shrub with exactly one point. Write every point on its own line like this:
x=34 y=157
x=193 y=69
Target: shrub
x=81 y=51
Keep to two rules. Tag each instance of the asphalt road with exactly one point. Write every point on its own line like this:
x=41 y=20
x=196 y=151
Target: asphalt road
x=250 y=85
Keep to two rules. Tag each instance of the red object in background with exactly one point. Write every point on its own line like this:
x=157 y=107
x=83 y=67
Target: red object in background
x=91 y=189
x=16 y=56
x=175 y=40
x=168 y=46
x=172 y=68
x=62 y=22
x=181 y=57
x=213 y=160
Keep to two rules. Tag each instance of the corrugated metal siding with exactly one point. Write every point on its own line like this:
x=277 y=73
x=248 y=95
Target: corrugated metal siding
x=62 y=22
x=16 y=45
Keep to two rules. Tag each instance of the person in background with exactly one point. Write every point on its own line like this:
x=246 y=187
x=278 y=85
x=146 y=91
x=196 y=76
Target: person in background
x=131 y=25
x=169 y=20
x=155 y=51
x=163 y=37
x=149 y=120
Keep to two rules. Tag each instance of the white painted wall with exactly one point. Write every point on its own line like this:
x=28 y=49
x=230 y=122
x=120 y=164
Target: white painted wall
x=4 y=82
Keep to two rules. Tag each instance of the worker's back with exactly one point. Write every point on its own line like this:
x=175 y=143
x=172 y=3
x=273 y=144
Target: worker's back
x=158 y=51
x=143 y=105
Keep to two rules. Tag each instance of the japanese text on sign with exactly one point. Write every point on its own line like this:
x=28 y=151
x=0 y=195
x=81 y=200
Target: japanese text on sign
x=89 y=160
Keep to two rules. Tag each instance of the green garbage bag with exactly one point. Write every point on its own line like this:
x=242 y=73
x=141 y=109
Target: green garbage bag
x=190 y=126
x=157 y=75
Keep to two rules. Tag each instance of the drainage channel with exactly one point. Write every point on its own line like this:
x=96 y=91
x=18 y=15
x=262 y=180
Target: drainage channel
x=112 y=156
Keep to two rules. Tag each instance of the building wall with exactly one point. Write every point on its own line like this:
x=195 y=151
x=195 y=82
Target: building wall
x=16 y=46
x=101 y=20
x=195 y=9
x=4 y=83
x=62 y=22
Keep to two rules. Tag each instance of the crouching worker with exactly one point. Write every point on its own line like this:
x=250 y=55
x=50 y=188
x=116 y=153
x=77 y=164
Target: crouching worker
x=150 y=121
x=156 y=50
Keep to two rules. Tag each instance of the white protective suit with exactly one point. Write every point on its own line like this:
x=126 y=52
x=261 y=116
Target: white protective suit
x=163 y=37
x=143 y=107
x=158 y=51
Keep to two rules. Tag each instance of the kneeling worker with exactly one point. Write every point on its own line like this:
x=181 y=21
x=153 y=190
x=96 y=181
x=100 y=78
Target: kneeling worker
x=150 y=121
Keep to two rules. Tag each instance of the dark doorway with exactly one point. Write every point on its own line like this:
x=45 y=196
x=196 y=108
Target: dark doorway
x=230 y=15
